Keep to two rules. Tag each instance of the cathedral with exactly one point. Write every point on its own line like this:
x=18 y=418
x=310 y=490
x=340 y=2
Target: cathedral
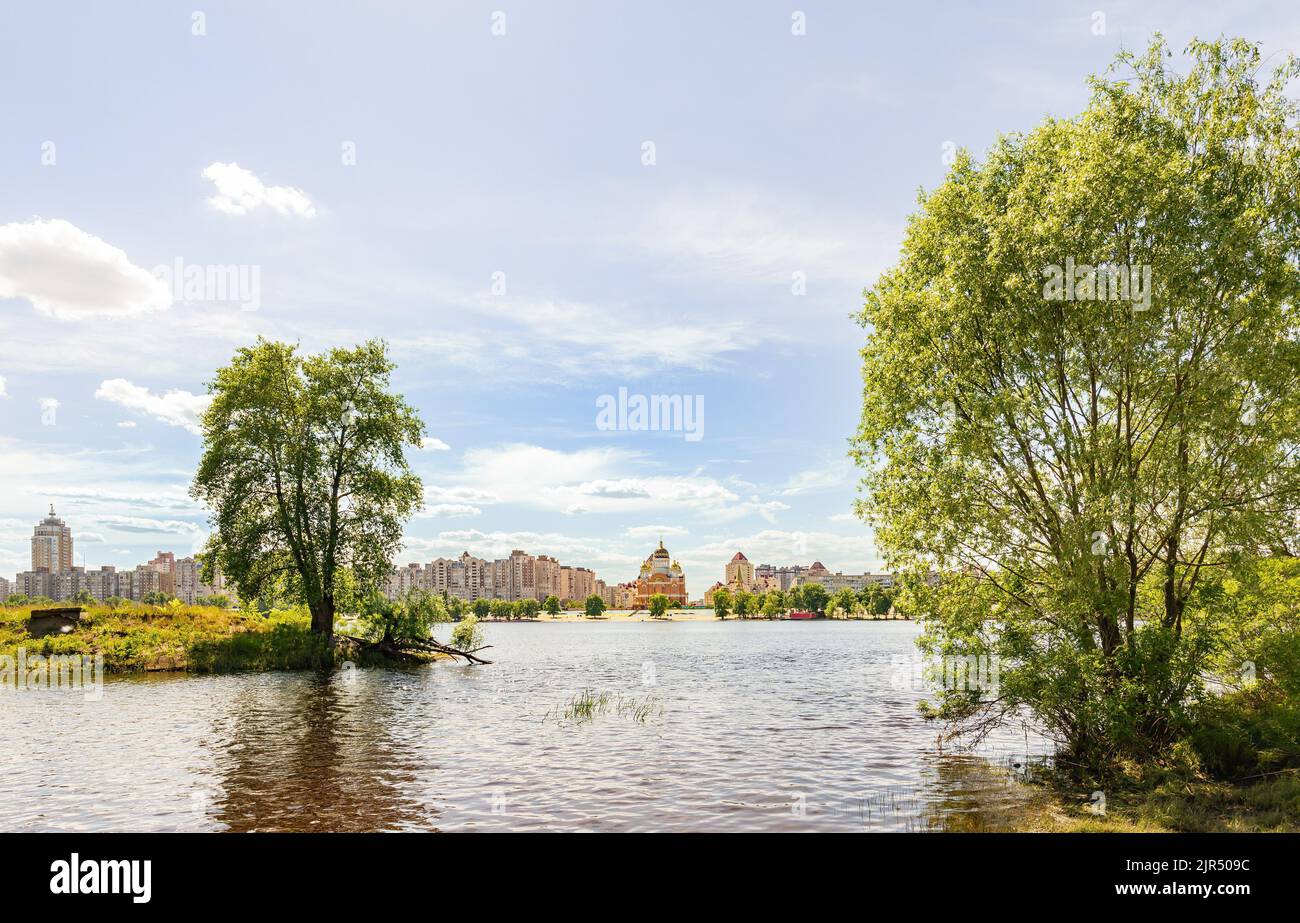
x=660 y=574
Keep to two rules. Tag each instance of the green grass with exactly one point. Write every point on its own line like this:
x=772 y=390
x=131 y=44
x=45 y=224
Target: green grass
x=586 y=706
x=1171 y=804
x=197 y=639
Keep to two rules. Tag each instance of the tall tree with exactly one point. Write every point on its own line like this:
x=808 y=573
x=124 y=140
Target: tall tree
x=1081 y=388
x=305 y=473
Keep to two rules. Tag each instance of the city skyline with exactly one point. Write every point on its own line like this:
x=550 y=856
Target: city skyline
x=518 y=576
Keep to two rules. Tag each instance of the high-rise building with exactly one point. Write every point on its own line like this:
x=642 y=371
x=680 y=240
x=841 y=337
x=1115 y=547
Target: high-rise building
x=165 y=565
x=739 y=572
x=52 y=545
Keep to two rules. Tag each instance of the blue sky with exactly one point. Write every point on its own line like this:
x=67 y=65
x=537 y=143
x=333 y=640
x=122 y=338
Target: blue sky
x=520 y=154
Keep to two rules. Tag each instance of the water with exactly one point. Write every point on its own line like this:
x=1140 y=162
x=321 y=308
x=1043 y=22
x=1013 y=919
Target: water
x=753 y=726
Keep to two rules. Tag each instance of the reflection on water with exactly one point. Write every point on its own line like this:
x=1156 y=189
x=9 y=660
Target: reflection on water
x=758 y=726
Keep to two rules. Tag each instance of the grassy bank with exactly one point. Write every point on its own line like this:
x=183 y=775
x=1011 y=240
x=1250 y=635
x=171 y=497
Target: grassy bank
x=197 y=639
x=1175 y=806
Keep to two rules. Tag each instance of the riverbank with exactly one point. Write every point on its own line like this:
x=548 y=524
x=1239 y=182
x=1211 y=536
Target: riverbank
x=674 y=615
x=198 y=639
x=1176 y=806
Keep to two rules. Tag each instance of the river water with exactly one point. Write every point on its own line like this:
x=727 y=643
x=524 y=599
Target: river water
x=770 y=726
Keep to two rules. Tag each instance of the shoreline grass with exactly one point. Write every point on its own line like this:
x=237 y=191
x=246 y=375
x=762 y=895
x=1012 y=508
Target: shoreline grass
x=177 y=638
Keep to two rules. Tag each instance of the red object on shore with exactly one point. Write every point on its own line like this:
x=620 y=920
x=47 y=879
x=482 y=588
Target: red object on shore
x=803 y=615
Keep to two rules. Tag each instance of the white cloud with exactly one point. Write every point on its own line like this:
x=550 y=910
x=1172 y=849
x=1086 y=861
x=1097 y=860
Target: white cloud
x=3 y=392
x=450 y=510
x=831 y=474
x=175 y=408
x=147 y=526
x=581 y=338
x=239 y=191
x=431 y=444
x=655 y=532
x=847 y=553
x=126 y=424
x=69 y=274
x=735 y=237
x=597 y=480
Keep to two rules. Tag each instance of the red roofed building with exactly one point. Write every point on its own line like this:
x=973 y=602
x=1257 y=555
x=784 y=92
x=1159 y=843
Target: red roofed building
x=739 y=573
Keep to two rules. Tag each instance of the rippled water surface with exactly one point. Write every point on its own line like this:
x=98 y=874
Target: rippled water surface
x=752 y=726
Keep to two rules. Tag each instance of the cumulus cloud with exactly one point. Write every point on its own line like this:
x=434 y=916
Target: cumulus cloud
x=847 y=553
x=175 y=408
x=239 y=191
x=69 y=274
x=147 y=526
x=432 y=444
x=599 y=480
x=3 y=392
x=450 y=510
x=645 y=532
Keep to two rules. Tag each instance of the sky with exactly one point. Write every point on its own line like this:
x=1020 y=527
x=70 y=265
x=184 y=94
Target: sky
x=537 y=205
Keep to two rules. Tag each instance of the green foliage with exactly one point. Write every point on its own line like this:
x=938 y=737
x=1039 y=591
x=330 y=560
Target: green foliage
x=813 y=596
x=744 y=603
x=133 y=638
x=594 y=606
x=552 y=605
x=305 y=472
x=721 y=602
x=481 y=608
x=1077 y=469
x=658 y=605
x=773 y=603
x=410 y=617
x=467 y=635
x=218 y=601
x=845 y=602
x=528 y=608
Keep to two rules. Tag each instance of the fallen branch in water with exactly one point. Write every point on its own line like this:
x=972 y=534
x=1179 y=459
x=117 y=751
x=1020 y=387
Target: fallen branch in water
x=399 y=650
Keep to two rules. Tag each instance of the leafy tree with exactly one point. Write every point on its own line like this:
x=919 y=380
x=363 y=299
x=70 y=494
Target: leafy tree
x=305 y=472
x=772 y=604
x=456 y=607
x=658 y=606
x=721 y=602
x=84 y=598
x=468 y=634
x=814 y=597
x=744 y=603
x=410 y=617
x=500 y=609
x=1077 y=460
x=845 y=601
x=552 y=605
x=482 y=608
x=528 y=608
x=594 y=606
x=18 y=599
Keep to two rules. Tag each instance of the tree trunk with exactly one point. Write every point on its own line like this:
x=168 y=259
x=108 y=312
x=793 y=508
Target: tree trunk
x=322 y=617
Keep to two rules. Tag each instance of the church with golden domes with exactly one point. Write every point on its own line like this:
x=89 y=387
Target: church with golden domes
x=660 y=574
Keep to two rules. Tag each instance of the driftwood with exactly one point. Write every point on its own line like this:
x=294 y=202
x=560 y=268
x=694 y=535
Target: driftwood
x=402 y=649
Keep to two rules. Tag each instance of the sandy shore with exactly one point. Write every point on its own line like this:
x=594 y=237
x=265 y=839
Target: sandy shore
x=624 y=615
